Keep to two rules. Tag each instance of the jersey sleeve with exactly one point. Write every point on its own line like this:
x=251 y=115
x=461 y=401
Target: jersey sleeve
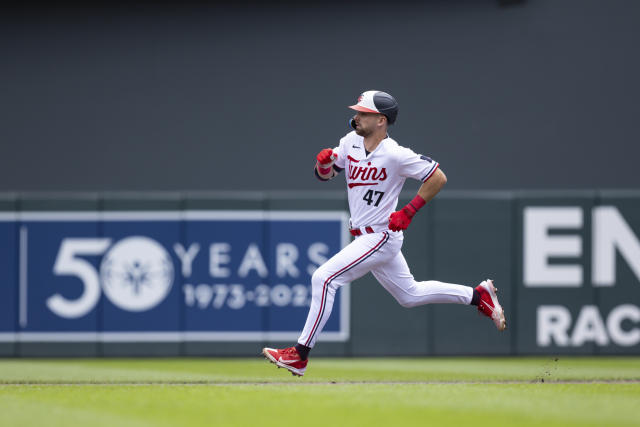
x=416 y=166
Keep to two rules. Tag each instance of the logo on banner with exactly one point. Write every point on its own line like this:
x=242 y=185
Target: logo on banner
x=136 y=273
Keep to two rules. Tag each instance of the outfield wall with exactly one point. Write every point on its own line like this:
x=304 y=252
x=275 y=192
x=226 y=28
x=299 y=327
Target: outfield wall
x=221 y=274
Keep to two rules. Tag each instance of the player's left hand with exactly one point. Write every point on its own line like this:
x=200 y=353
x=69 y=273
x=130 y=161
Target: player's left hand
x=399 y=220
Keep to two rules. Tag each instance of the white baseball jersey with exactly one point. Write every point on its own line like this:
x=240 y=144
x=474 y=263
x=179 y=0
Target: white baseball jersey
x=374 y=181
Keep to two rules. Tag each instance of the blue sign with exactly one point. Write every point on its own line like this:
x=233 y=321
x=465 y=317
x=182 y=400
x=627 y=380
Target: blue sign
x=166 y=276
x=8 y=277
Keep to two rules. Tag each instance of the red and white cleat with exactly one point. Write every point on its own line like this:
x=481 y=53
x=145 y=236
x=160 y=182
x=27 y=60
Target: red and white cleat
x=489 y=305
x=287 y=358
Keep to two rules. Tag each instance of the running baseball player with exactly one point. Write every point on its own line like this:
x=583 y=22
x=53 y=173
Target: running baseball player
x=376 y=167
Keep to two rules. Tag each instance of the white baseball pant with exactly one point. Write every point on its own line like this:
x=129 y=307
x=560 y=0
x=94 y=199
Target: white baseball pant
x=378 y=253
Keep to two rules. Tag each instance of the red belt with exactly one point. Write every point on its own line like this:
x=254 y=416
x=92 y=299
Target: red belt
x=357 y=232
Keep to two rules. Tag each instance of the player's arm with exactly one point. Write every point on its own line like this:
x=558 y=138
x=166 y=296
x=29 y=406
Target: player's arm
x=325 y=160
x=432 y=186
x=401 y=219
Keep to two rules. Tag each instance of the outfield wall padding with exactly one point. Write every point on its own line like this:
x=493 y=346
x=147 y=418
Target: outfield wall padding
x=223 y=274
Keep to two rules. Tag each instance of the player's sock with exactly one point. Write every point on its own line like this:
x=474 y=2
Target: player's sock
x=475 y=299
x=303 y=351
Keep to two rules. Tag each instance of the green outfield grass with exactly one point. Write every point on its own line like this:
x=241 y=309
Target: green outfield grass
x=335 y=392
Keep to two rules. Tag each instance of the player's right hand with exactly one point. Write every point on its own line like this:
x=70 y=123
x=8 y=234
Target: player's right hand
x=326 y=157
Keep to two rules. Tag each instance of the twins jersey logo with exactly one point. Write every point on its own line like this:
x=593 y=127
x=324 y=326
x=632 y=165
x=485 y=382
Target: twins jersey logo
x=364 y=173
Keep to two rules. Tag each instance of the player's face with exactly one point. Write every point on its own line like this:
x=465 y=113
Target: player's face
x=367 y=123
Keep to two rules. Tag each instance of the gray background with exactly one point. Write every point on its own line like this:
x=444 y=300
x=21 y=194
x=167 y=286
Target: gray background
x=209 y=96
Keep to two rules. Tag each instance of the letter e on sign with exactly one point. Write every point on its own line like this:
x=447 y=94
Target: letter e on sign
x=539 y=246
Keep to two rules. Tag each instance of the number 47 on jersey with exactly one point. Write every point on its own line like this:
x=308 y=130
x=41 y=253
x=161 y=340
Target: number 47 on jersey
x=371 y=195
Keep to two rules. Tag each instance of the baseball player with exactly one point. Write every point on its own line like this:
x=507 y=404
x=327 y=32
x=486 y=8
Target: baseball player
x=376 y=167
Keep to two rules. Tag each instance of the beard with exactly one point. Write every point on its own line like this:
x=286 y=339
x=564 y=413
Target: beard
x=362 y=132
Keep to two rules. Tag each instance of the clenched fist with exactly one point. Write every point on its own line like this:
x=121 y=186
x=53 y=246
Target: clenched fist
x=399 y=220
x=326 y=158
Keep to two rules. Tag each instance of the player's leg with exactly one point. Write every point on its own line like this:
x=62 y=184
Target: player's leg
x=352 y=262
x=396 y=278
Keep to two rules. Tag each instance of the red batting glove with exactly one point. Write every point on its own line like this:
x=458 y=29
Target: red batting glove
x=401 y=219
x=326 y=158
